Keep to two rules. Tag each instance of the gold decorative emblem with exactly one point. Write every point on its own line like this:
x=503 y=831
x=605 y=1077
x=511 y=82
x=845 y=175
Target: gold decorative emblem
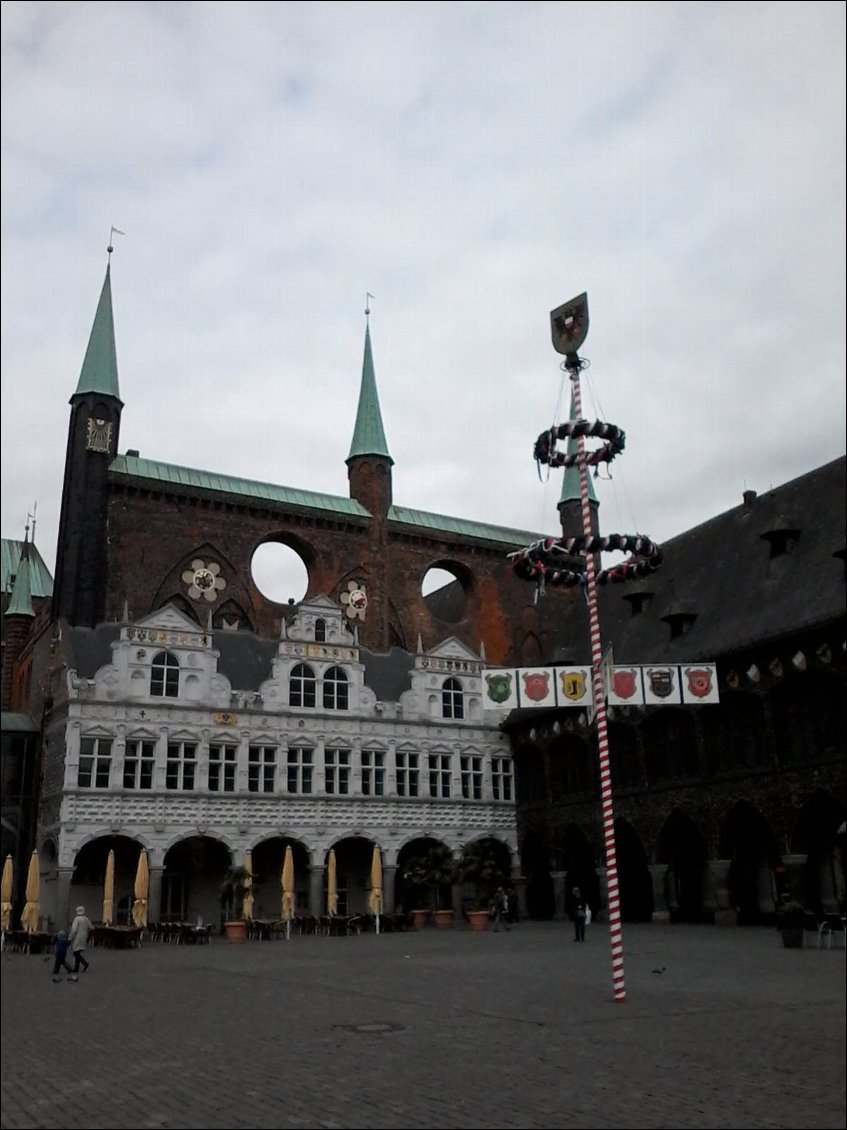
x=355 y=599
x=99 y=435
x=224 y=718
x=204 y=581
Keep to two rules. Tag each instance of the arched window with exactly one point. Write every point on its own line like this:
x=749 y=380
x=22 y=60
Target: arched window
x=302 y=686
x=335 y=689
x=452 y=699
x=320 y=631
x=164 y=678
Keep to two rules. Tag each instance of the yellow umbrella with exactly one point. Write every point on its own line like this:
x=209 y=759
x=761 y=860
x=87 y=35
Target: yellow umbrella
x=288 y=889
x=141 y=891
x=331 y=887
x=6 y=894
x=375 y=897
x=29 y=918
x=247 y=905
x=109 y=891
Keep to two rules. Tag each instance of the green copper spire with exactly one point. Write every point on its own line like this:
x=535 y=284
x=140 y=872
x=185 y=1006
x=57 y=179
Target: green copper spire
x=100 y=368
x=369 y=434
x=21 y=600
x=570 y=480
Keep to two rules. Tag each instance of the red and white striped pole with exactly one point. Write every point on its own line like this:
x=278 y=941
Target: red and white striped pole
x=615 y=931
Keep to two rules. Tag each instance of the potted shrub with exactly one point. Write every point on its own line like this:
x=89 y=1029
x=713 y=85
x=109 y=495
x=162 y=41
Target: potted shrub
x=790 y=920
x=485 y=864
x=237 y=882
x=428 y=875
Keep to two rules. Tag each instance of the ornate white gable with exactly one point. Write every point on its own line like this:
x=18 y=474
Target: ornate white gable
x=168 y=619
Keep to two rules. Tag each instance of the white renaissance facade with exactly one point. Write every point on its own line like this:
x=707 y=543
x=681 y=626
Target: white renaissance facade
x=161 y=749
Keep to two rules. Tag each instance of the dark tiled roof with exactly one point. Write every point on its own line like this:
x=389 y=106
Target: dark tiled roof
x=724 y=574
x=89 y=649
x=387 y=674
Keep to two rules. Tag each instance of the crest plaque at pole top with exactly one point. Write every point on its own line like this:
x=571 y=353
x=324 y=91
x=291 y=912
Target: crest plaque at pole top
x=569 y=324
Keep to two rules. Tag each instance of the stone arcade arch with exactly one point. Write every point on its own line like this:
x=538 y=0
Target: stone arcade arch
x=636 y=885
x=816 y=834
x=683 y=854
x=749 y=843
x=192 y=878
x=535 y=863
x=268 y=857
x=353 y=856
x=90 y=873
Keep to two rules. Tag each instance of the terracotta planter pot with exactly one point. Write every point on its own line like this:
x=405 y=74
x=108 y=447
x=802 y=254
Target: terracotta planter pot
x=443 y=919
x=478 y=919
x=236 y=933
x=419 y=918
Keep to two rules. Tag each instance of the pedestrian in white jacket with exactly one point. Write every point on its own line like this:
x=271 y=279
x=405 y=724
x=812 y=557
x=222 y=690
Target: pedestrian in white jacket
x=80 y=929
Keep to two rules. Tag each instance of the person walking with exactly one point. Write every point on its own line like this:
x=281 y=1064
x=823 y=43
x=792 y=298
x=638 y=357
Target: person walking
x=80 y=930
x=501 y=907
x=579 y=910
x=60 y=955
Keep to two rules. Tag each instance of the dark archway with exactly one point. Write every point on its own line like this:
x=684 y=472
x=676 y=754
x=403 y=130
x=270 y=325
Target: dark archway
x=89 y=876
x=816 y=834
x=353 y=857
x=535 y=864
x=683 y=849
x=268 y=857
x=580 y=867
x=748 y=842
x=636 y=885
x=192 y=880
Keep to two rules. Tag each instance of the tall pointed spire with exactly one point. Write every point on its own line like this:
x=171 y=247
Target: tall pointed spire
x=99 y=372
x=369 y=434
x=570 y=480
x=20 y=603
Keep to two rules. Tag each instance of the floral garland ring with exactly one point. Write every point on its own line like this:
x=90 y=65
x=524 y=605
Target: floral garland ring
x=545 y=446
x=542 y=560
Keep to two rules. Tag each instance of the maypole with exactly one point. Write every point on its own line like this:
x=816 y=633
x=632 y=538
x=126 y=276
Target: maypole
x=543 y=562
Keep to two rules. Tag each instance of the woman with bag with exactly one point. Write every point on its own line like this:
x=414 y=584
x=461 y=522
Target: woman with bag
x=580 y=914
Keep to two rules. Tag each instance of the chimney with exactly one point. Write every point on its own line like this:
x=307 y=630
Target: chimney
x=749 y=497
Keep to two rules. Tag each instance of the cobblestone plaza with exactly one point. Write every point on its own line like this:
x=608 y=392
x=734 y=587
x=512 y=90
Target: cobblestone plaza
x=721 y=1028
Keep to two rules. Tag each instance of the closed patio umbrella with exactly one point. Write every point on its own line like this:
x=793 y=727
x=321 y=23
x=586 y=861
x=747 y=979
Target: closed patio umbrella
x=247 y=904
x=288 y=889
x=29 y=918
x=375 y=897
x=6 y=899
x=109 y=891
x=331 y=885
x=141 y=892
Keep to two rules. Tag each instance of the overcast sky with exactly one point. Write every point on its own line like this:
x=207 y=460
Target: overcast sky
x=473 y=165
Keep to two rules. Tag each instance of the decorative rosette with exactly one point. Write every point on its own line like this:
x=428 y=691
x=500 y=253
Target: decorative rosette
x=203 y=581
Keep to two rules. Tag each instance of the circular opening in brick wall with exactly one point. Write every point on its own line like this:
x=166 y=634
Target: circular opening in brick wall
x=444 y=590
x=279 y=573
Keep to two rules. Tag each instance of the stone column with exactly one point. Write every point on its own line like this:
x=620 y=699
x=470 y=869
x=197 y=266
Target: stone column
x=316 y=890
x=154 y=895
x=794 y=881
x=717 y=893
x=603 y=891
x=63 y=897
x=389 y=874
x=559 y=893
x=519 y=883
x=658 y=877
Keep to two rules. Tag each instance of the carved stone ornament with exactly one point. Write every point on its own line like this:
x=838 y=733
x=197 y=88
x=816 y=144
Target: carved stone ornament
x=203 y=581
x=99 y=435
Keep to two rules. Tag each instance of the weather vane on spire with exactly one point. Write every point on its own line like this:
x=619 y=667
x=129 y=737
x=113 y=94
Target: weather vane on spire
x=113 y=231
x=367 y=303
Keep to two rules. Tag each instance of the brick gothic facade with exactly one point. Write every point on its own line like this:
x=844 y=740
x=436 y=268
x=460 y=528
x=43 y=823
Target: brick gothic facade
x=184 y=713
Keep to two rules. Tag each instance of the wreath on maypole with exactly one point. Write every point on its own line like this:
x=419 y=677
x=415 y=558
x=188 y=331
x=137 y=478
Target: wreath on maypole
x=550 y=561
